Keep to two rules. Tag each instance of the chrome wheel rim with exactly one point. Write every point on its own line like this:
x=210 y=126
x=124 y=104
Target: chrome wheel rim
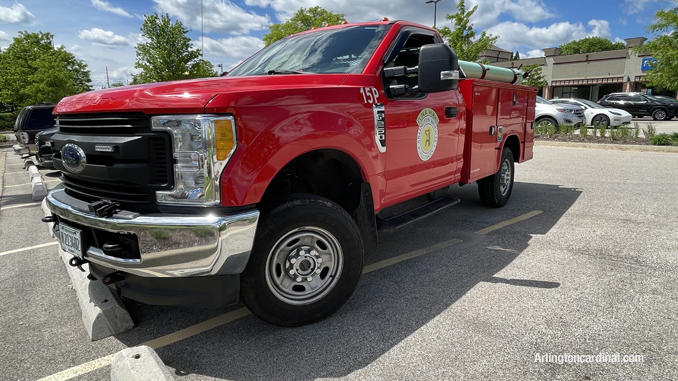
x=661 y=114
x=505 y=180
x=304 y=265
x=546 y=123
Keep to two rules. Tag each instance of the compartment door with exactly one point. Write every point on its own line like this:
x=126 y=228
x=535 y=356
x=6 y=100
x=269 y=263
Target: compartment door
x=484 y=133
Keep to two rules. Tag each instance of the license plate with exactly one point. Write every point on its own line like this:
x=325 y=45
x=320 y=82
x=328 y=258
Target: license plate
x=70 y=240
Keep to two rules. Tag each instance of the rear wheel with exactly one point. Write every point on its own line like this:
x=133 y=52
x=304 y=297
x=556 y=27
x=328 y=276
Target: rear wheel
x=306 y=262
x=495 y=190
x=659 y=114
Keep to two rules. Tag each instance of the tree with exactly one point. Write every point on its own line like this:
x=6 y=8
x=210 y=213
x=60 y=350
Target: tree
x=168 y=54
x=304 y=19
x=117 y=84
x=536 y=76
x=462 y=38
x=33 y=71
x=515 y=56
x=590 y=44
x=664 y=48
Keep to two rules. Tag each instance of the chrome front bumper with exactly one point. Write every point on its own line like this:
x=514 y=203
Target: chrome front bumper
x=169 y=245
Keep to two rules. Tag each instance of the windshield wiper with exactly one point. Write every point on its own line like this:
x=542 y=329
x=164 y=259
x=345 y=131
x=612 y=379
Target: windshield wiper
x=273 y=72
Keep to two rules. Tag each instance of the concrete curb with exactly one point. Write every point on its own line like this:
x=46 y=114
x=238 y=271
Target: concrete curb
x=139 y=363
x=102 y=312
x=613 y=147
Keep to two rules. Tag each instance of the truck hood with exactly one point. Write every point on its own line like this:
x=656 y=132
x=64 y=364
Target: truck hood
x=188 y=96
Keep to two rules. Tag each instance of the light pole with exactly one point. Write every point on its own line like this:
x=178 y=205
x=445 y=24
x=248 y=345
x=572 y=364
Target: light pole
x=435 y=10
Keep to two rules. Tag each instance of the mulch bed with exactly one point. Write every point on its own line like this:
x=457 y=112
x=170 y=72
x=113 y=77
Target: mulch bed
x=592 y=139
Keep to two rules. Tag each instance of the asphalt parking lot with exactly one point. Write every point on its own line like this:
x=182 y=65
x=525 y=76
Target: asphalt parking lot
x=581 y=262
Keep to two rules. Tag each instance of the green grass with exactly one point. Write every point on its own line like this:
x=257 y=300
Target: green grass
x=650 y=132
x=603 y=131
x=636 y=130
x=584 y=132
x=624 y=132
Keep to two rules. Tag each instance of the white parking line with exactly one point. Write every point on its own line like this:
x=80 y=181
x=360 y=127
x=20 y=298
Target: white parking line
x=28 y=248
x=19 y=206
x=20 y=185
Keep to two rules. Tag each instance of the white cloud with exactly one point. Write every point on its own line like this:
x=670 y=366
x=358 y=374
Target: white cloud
x=103 y=37
x=533 y=54
x=522 y=10
x=107 y=7
x=18 y=14
x=239 y=47
x=220 y=16
x=4 y=36
x=513 y=34
x=636 y=6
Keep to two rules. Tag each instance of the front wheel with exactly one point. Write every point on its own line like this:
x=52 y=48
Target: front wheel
x=495 y=190
x=659 y=114
x=600 y=120
x=305 y=264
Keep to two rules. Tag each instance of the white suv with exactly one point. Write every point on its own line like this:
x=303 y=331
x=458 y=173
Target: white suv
x=549 y=113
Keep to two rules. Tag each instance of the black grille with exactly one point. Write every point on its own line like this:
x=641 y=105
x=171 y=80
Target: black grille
x=104 y=124
x=139 y=166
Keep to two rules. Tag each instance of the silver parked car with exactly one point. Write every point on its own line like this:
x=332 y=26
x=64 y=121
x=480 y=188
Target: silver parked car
x=549 y=113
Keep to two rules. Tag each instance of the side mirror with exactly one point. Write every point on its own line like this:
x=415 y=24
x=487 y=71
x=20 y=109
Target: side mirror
x=438 y=69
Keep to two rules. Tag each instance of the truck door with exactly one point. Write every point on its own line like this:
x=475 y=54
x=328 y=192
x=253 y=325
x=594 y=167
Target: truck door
x=422 y=131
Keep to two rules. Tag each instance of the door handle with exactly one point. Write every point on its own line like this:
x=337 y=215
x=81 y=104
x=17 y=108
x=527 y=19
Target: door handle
x=492 y=129
x=451 y=112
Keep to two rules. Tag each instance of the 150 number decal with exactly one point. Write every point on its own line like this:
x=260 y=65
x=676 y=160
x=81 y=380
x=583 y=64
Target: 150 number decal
x=370 y=95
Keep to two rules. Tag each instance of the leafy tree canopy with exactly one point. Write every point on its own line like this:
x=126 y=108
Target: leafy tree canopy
x=589 y=45
x=462 y=38
x=536 y=77
x=168 y=54
x=664 y=48
x=33 y=71
x=117 y=84
x=304 y=19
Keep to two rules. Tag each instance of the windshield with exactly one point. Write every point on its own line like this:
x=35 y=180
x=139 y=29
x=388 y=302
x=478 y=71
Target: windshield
x=343 y=50
x=665 y=98
x=590 y=104
x=544 y=101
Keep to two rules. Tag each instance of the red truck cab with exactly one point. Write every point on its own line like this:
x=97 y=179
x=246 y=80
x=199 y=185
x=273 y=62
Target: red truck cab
x=268 y=183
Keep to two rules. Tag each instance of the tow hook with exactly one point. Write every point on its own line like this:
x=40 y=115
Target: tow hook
x=113 y=278
x=77 y=262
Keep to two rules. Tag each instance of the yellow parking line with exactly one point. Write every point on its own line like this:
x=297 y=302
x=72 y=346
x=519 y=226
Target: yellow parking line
x=410 y=255
x=28 y=248
x=222 y=320
x=509 y=222
x=81 y=369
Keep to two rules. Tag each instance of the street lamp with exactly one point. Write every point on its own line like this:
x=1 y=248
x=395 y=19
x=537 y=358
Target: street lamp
x=435 y=10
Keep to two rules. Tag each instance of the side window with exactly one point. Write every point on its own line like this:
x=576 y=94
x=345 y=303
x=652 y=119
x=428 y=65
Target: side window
x=408 y=57
x=636 y=98
x=40 y=119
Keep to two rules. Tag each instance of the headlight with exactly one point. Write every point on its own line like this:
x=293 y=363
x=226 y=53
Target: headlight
x=203 y=144
x=615 y=113
x=566 y=110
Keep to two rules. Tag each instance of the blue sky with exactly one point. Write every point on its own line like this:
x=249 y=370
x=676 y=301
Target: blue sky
x=103 y=32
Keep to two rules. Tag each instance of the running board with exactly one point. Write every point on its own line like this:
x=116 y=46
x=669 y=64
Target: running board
x=398 y=221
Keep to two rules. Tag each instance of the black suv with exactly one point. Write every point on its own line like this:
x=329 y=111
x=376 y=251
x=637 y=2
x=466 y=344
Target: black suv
x=640 y=105
x=31 y=120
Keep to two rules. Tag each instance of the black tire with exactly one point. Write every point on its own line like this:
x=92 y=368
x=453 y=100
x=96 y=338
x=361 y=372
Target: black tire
x=492 y=189
x=599 y=120
x=659 y=114
x=548 y=120
x=322 y=223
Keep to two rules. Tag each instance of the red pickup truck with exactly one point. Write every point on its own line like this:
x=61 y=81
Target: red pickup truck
x=268 y=183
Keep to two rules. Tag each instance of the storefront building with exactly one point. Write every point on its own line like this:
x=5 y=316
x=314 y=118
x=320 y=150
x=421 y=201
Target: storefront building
x=587 y=75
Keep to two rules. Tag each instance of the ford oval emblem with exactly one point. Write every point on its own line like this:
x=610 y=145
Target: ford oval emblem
x=73 y=157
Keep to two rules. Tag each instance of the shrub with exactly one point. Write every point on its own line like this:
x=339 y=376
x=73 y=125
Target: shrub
x=661 y=140
x=674 y=137
x=551 y=130
x=3 y=138
x=595 y=131
x=636 y=130
x=603 y=130
x=650 y=131
x=614 y=134
x=584 y=132
x=7 y=120
x=624 y=132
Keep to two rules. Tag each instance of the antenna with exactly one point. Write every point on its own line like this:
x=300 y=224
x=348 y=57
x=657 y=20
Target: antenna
x=107 y=81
